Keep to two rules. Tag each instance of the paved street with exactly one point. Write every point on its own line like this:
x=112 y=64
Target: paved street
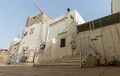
x=58 y=71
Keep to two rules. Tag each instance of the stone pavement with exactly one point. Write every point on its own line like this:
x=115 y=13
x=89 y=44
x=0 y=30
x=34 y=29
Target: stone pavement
x=58 y=71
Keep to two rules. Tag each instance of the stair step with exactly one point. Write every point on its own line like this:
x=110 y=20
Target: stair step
x=64 y=61
x=59 y=64
x=71 y=58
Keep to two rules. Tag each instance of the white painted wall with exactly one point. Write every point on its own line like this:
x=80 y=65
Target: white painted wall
x=62 y=24
x=34 y=40
x=66 y=23
x=46 y=33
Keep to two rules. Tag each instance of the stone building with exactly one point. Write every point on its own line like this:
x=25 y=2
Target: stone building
x=69 y=40
x=42 y=34
x=3 y=56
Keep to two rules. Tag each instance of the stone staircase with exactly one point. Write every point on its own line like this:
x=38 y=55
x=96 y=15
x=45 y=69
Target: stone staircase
x=89 y=61
x=65 y=61
x=87 y=58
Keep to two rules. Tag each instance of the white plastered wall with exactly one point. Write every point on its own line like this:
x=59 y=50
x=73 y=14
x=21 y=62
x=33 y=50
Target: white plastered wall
x=62 y=24
x=34 y=40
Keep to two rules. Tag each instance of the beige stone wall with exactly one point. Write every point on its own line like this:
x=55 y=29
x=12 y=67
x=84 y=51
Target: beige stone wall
x=3 y=57
x=115 y=6
x=105 y=41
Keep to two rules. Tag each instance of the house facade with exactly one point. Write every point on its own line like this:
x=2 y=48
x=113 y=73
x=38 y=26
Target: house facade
x=61 y=35
x=69 y=40
x=45 y=39
x=100 y=37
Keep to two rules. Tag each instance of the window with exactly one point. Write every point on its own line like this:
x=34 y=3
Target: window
x=63 y=42
x=24 y=34
x=25 y=49
x=31 y=31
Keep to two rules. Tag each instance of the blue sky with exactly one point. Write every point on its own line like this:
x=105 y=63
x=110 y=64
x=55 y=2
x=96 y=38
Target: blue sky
x=13 y=13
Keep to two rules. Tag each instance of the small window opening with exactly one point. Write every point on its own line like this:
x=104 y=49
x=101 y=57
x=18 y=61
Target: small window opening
x=63 y=42
x=31 y=31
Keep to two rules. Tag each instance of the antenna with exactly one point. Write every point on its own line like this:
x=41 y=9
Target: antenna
x=36 y=5
x=112 y=6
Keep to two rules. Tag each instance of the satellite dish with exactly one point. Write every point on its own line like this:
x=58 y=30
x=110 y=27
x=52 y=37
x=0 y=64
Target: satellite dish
x=68 y=9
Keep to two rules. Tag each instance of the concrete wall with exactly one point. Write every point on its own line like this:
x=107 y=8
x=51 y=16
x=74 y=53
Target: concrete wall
x=104 y=41
x=115 y=6
x=62 y=27
x=33 y=41
x=3 y=57
x=50 y=34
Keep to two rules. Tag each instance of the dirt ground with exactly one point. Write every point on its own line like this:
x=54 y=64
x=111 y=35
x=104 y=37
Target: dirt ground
x=58 y=71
